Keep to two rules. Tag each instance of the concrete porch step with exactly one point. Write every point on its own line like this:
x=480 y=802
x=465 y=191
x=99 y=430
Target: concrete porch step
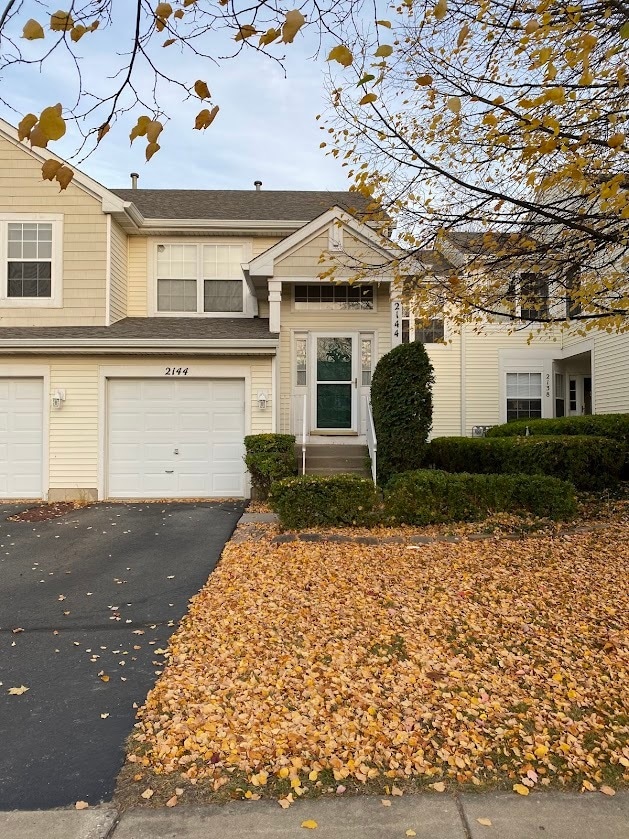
x=332 y=459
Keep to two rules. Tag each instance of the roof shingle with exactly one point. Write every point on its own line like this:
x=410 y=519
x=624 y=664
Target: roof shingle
x=239 y=205
x=231 y=329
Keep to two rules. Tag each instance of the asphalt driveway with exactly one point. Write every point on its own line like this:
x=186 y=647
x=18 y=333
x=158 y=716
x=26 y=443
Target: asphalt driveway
x=87 y=602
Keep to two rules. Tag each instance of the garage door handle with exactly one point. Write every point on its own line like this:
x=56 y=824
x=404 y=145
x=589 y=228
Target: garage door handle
x=169 y=471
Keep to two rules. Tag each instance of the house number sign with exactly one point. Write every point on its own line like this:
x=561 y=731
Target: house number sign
x=176 y=371
x=547 y=385
x=397 y=309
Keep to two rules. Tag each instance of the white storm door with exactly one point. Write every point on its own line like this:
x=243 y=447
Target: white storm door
x=21 y=438
x=335 y=383
x=179 y=438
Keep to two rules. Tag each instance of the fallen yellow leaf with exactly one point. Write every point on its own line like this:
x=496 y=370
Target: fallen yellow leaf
x=17 y=691
x=607 y=790
x=484 y=822
x=438 y=787
x=309 y=824
x=385 y=802
x=148 y=793
x=410 y=832
x=172 y=801
x=81 y=805
x=520 y=789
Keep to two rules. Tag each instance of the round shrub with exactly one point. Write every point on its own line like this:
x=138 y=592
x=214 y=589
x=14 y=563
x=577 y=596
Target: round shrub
x=401 y=401
x=269 y=458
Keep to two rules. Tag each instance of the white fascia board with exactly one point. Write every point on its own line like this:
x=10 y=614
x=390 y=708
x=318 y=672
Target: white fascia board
x=264 y=264
x=110 y=202
x=166 y=225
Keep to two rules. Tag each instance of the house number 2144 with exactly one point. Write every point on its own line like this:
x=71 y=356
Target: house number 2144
x=176 y=371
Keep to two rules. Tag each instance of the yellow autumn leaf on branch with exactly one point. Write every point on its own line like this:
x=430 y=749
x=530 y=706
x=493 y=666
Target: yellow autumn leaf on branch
x=25 y=126
x=454 y=104
x=441 y=9
x=63 y=177
x=153 y=130
x=269 y=36
x=293 y=22
x=385 y=23
x=205 y=118
x=383 y=51
x=51 y=123
x=163 y=10
x=245 y=32
x=140 y=128
x=32 y=30
x=151 y=149
x=368 y=98
x=50 y=168
x=61 y=21
x=616 y=140
x=77 y=32
x=341 y=54
x=201 y=89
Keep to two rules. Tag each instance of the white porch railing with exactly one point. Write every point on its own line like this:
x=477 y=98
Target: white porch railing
x=304 y=431
x=372 y=442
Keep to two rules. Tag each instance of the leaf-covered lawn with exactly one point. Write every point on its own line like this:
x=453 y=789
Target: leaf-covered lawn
x=305 y=666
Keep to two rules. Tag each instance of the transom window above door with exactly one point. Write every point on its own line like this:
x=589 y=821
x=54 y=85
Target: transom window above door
x=333 y=297
x=199 y=278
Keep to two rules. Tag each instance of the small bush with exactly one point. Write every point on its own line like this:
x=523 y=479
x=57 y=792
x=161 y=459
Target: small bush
x=330 y=500
x=433 y=497
x=401 y=400
x=269 y=458
x=587 y=462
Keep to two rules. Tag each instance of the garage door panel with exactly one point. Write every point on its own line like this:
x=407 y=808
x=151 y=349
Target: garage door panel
x=21 y=437
x=177 y=438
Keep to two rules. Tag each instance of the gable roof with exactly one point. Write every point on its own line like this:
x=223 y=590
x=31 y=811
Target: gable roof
x=263 y=265
x=243 y=204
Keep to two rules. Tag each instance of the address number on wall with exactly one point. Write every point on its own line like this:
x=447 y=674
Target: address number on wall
x=176 y=371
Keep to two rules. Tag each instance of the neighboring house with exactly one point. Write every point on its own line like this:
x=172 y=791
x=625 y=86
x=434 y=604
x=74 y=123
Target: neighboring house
x=144 y=333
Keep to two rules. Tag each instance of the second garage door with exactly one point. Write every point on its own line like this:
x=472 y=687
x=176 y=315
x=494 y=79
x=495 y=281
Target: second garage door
x=176 y=439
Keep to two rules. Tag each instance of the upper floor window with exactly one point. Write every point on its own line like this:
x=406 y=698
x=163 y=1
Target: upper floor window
x=333 y=297
x=30 y=252
x=431 y=332
x=199 y=278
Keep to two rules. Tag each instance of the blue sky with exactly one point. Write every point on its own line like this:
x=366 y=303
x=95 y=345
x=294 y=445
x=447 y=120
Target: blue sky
x=266 y=128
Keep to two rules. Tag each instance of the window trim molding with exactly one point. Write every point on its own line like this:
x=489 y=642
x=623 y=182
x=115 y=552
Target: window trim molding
x=55 y=301
x=248 y=304
x=334 y=312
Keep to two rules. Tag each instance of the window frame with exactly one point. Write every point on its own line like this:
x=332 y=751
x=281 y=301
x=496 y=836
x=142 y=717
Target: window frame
x=301 y=308
x=55 y=301
x=247 y=300
x=405 y=314
x=527 y=398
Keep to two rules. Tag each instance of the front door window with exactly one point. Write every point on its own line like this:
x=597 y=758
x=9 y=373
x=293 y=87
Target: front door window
x=335 y=381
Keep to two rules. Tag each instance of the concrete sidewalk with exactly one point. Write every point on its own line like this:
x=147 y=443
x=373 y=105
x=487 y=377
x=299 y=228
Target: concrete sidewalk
x=549 y=815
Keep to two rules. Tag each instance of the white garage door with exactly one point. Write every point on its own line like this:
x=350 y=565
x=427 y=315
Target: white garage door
x=21 y=437
x=178 y=438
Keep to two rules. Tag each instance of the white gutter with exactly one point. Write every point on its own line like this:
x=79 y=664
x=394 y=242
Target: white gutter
x=223 y=224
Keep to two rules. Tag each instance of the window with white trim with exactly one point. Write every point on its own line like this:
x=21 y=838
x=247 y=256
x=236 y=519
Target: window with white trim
x=199 y=278
x=30 y=252
x=413 y=329
x=524 y=396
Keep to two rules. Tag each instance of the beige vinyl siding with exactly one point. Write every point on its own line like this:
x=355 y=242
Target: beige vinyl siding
x=263 y=243
x=304 y=261
x=137 y=287
x=74 y=432
x=119 y=269
x=482 y=371
x=610 y=365
x=377 y=321
x=22 y=190
x=446 y=392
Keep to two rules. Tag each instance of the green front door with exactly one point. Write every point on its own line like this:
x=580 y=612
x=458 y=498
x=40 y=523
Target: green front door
x=335 y=383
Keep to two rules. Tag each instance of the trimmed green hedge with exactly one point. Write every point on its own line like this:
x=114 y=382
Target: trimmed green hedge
x=615 y=426
x=269 y=458
x=317 y=500
x=401 y=401
x=587 y=462
x=430 y=496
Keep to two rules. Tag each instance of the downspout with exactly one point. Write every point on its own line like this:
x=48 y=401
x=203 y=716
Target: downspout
x=463 y=382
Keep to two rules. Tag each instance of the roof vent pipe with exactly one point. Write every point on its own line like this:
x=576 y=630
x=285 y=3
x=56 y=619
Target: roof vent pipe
x=134 y=180
x=258 y=185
